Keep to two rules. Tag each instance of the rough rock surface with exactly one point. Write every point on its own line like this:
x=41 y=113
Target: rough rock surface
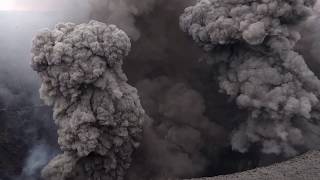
x=304 y=167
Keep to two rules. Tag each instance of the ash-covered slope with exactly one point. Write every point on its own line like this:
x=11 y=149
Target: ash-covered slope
x=99 y=116
x=304 y=167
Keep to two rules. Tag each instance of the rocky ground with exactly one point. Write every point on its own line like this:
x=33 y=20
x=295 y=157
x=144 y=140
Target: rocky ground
x=304 y=167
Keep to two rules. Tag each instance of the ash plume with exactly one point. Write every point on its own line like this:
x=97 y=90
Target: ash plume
x=187 y=131
x=99 y=116
x=252 y=45
x=177 y=134
x=164 y=58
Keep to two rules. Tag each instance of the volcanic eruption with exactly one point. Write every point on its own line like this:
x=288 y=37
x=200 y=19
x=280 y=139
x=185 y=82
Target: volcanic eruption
x=252 y=44
x=99 y=116
x=246 y=93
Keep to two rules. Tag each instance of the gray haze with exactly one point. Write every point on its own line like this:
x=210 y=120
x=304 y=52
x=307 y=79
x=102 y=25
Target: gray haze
x=25 y=123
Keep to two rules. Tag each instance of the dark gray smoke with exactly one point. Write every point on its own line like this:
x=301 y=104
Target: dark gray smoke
x=252 y=42
x=99 y=116
x=122 y=13
x=161 y=50
x=163 y=65
x=178 y=133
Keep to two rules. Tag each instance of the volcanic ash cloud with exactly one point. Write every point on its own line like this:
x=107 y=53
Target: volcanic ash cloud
x=251 y=43
x=99 y=116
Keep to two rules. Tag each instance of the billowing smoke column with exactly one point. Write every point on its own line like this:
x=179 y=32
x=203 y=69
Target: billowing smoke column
x=251 y=43
x=99 y=116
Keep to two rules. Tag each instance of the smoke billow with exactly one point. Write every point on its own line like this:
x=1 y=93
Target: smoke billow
x=252 y=102
x=99 y=116
x=175 y=138
x=252 y=43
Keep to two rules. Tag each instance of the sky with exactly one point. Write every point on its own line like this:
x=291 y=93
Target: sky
x=40 y=5
x=21 y=19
